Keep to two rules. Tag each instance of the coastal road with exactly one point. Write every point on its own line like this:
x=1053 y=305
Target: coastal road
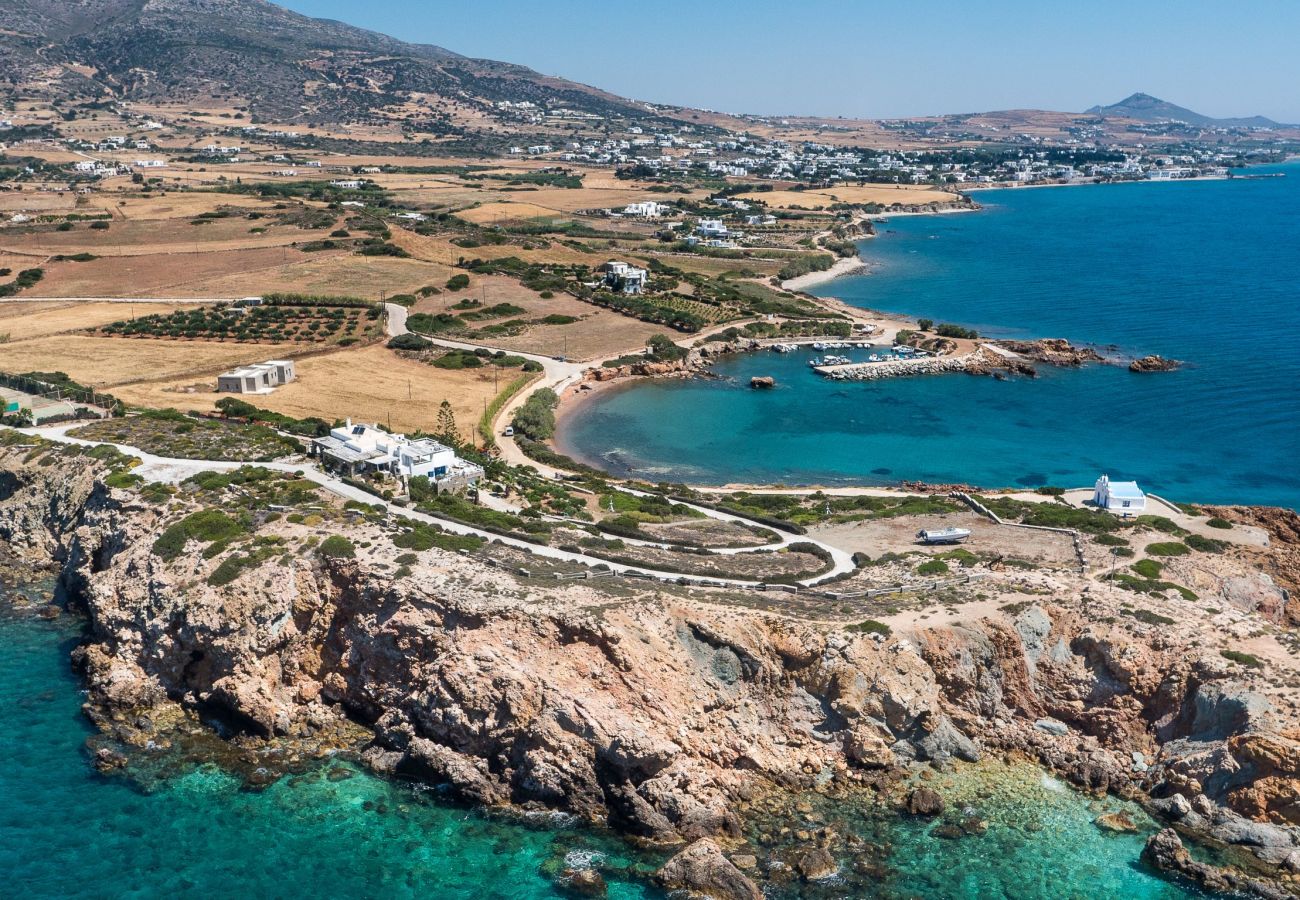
x=174 y=470
x=556 y=375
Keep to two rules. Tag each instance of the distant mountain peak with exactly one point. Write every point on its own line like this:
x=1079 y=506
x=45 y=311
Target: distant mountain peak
x=1147 y=108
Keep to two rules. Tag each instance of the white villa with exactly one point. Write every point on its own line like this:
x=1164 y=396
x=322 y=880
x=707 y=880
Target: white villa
x=631 y=278
x=1124 y=498
x=259 y=378
x=359 y=449
x=712 y=228
x=647 y=209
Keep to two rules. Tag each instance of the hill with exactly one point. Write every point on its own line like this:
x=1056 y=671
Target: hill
x=1145 y=108
x=283 y=66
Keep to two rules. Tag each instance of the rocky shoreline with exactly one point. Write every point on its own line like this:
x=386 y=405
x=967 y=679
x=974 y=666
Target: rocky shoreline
x=663 y=714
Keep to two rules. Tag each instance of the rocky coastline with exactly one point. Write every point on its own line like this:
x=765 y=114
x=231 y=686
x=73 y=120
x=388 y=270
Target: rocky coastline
x=667 y=716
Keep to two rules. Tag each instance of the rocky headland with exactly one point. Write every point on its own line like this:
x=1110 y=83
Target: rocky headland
x=670 y=714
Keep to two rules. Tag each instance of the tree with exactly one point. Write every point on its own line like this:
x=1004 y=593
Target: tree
x=925 y=324
x=536 y=418
x=447 y=431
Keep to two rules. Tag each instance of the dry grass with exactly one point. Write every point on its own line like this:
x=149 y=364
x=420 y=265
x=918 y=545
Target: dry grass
x=884 y=194
x=28 y=320
x=599 y=333
x=109 y=362
x=166 y=275
x=370 y=384
x=320 y=273
x=142 y=238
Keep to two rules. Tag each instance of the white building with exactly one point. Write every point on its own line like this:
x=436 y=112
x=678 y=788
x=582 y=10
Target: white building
x=360 y=449
x=625 y=277
x=259 y=378
x=648 y=209
x=1124 y=498
x=150 y=164
x=350 y=184
x=712 y=228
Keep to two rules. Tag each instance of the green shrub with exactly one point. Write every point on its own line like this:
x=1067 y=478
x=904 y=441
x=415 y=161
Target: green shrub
x=1159 y=523
x=207 y=525
x=1204 y=544
x=1244 y=659
x=1111 y=540
x=1216 y=522
x=1147 y=568
x=1147 y=616
x=870 y=626
x=933 y=567
x=1168 y=548
x=458 y=282
x=336 y=546
x=408 y=342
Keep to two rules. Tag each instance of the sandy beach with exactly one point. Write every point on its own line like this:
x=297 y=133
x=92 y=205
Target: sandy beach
x=852 y=265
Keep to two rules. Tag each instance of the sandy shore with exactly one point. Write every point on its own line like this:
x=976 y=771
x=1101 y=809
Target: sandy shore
x=848 y=266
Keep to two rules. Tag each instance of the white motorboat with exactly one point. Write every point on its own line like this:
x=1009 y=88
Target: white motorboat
x=949 y=535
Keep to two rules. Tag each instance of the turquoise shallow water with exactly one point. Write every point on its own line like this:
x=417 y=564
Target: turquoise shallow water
x=1206 y=272
x=67 y=832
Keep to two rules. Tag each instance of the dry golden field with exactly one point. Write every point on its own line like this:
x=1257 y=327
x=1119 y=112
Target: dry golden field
x=105 y=362
x=370 y=384
x=167 y=274
x=27 y=320
x=597 y=334
x=327 y=272
x=884 y=194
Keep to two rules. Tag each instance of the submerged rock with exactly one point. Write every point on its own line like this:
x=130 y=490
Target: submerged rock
x=925 y=801
x=702 y=868
x=583 y=883
x=1116 y=821
x=814 y=864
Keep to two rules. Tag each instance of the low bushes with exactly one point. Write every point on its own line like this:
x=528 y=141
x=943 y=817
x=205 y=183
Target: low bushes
x=1244 y=659
x=208 y=526
x=1168 y=548
x=336 y=546
x=1204 y=544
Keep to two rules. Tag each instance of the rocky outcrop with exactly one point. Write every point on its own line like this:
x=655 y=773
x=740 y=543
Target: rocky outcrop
x=1153 y=363
x=1054 y=351
x=762 y=381
x=1165 y=852
x=703 y=870
x=1281 y=559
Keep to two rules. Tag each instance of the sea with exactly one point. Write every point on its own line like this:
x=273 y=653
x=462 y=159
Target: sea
x=67 y=831
x=1206 y=272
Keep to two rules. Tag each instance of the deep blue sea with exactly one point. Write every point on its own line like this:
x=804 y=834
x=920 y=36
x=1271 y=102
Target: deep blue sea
x=68 y=832
x=1207 y=272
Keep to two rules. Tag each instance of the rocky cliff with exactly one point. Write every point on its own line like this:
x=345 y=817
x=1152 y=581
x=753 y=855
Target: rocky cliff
x=662 y=713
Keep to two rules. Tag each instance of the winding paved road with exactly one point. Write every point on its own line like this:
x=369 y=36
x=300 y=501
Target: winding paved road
x=174 y=470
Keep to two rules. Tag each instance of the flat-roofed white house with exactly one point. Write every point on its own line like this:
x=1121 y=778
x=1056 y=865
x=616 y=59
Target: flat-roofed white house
x=625 y=277
x=259 y=378
x=359 y=449
x=1124 y=498
x=647 y=209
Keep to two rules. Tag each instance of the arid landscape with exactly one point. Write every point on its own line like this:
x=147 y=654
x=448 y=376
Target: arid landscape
x=297 y=324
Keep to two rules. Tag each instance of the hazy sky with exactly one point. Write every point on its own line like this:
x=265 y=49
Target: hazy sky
x=868 y=58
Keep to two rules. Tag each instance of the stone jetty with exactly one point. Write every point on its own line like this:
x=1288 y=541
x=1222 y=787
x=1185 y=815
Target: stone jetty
x=980 y=360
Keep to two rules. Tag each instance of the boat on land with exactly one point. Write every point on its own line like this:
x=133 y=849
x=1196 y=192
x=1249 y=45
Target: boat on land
x=949 y=535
